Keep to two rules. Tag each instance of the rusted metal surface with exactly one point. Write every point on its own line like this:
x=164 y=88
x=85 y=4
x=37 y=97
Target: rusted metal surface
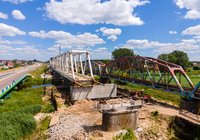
x=149 y=71
x=97 y=67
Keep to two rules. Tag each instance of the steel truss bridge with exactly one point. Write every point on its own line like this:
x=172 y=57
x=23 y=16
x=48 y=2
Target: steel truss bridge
x=77 y=67
x=152 y=72
x=71 y=66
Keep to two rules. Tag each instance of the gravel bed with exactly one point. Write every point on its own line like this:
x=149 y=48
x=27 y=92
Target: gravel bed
x=70 y=127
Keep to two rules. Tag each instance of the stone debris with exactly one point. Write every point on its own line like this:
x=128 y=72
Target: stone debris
x=70 y=127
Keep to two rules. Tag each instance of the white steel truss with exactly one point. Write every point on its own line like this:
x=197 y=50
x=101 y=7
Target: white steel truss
x=71 y=65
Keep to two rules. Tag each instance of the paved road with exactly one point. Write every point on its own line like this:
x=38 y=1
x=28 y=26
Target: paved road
x=7 y=77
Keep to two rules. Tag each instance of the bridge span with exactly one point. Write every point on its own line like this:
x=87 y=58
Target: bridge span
x=70 y=65
x=75 y=66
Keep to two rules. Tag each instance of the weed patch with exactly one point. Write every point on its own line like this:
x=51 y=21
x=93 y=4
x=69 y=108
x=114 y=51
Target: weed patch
x=129 y=135
x=156 y=93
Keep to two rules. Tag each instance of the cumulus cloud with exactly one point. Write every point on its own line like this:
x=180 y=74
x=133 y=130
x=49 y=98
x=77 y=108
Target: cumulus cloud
x=188 y=45
x=97 y=53
x=18 y=15
x=117 y=12
x=8 y=42
x=194 y=30
x=192 y=7
x=68 y=40
x=112 y=37
x=17 y=1
x=7 y=30
x=3 y=15
x=23 y=52
x=110 y=33
x=51 y=34
x=172 y=32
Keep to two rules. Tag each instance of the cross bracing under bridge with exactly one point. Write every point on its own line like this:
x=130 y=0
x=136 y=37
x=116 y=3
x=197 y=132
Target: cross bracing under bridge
x=72 y=66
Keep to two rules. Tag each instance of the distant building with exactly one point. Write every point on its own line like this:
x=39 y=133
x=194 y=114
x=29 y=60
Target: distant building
x=6 y=64
x=1 y=65
x=9 y=64
x=196 y=63
x=19 y=62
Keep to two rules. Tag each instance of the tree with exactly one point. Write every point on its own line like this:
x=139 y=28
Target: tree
x=121 y=52
x=196 y=68
x=177 y=57
x=163 y=57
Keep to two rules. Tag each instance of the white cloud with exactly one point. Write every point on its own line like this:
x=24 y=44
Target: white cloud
x=172 y=32
x=100 y=53
x=111 y=33
x=18 y=15
x=192 y=6
x=112 y=37
x=17 y=1
x=67 y=40
x=188 y=45
x=3 y=15
x=23 y=52
x=7 y=30
x=7 y=42
x=51 y=34
x=194 y=30
x=117 y=12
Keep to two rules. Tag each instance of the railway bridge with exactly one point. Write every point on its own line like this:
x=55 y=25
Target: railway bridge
x=152 y=72
x=75 y=66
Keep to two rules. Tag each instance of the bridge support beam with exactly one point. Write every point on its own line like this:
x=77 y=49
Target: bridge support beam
x=93 y=92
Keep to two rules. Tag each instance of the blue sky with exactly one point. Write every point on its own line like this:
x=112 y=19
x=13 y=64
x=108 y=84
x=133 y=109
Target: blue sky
x=32 y=29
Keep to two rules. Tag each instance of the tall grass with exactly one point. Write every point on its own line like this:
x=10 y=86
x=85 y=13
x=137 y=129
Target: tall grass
x=17 y=124
x=22 y=98
x=16 y=112
x=37 y=73
x=173 y=98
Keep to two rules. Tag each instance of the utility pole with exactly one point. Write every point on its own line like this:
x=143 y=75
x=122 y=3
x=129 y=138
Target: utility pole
x=59 y=50
x=60 y=57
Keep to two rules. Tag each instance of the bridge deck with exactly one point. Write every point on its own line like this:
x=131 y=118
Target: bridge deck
x=78 y=77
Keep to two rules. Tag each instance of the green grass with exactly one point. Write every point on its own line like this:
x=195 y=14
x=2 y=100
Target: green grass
x=16 y=112
x=162 y=95
x=18 y=124
x=39 y=133
x=37 y=73
x=22 y=98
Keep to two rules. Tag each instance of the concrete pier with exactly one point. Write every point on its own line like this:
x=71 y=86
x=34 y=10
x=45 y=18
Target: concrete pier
x=122 y=119
x=191 y=106
x=119 y=114
x=93 y=92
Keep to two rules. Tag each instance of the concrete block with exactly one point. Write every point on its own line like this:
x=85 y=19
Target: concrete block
x=121 y=119
x=54 y=120
x=93 y=92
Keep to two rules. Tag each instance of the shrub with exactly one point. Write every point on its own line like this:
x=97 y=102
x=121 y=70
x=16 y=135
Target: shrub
x=129 y=135
x=48 y=108
x=154 y=113
x=196 y=68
